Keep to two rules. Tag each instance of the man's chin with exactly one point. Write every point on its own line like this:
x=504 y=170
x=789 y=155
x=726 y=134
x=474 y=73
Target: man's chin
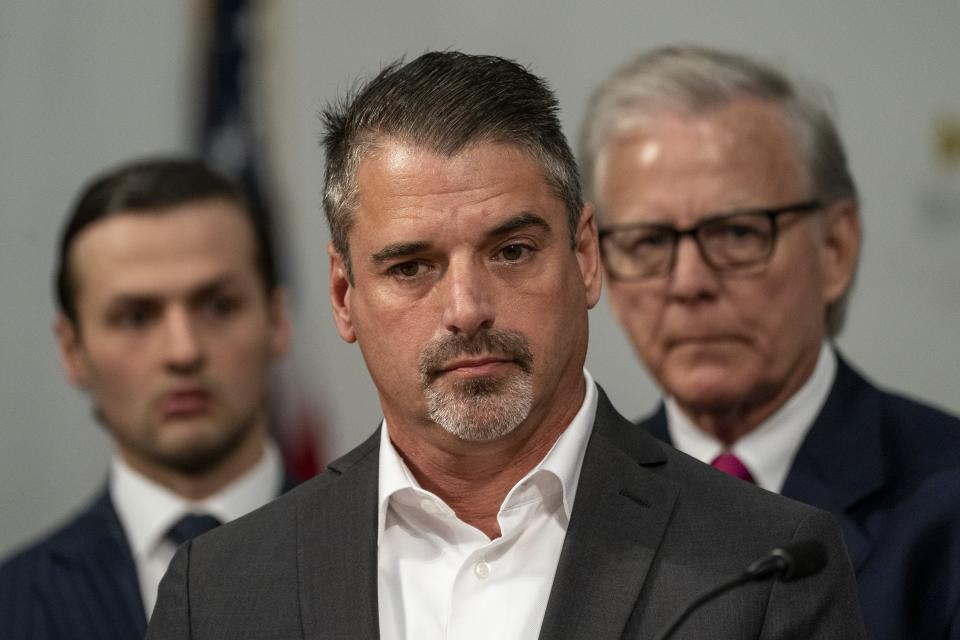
x=196 y=449
x=464 y=388
x=707 y=353
x=195 y=460
x=481 y=408
x=707 y=389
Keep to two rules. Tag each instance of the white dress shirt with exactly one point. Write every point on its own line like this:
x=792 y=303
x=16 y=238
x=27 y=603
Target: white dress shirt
x=440 y=577
x=769 y=450
x=148 y=510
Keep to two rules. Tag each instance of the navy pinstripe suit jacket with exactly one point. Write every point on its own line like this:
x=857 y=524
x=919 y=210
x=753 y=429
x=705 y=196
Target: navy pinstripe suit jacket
x=80 y=582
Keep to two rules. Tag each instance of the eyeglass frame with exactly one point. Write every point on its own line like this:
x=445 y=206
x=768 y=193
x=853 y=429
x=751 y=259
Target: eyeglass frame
x=772 y=214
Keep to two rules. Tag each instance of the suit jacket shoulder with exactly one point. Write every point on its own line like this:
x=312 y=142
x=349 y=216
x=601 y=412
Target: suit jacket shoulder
x=653 y=528
x=80 y=581
x=888 y=468
x=866 y=441
x=303 y=565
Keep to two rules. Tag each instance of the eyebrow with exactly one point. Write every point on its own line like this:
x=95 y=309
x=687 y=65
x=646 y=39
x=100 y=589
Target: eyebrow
x=200 y=292
x=399 y=250
x=217 y=285
x=405 y=249
x=520 y=221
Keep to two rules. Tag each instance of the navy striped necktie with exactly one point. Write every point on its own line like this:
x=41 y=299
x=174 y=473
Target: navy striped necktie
x=190 y=526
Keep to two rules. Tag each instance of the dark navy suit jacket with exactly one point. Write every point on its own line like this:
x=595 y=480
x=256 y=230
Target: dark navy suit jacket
x=80 y=582
x=888 y=468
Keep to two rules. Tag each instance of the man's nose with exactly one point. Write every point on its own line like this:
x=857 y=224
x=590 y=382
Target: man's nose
x=182 y=341
x=469 y=306
x=692 y=278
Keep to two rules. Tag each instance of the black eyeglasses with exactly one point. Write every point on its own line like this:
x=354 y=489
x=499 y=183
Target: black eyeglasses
x=733 y=241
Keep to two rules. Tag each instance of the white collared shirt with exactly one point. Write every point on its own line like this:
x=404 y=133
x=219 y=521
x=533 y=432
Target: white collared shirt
x=441 y=578
x=147 y=510
x=768 y=450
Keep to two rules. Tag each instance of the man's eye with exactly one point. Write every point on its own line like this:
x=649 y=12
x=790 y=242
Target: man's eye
x=222 y=305
x=514 y=252
x=641 y=243
x=649 y=241
x=407 y=269
x=736 y=231
x=134 y=318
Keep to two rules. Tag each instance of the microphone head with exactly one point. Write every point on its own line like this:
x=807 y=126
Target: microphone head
x=800 y=559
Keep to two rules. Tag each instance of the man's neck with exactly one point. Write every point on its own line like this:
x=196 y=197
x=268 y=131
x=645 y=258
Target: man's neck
x=731 y=422
x=203 y=484
x=474 y=478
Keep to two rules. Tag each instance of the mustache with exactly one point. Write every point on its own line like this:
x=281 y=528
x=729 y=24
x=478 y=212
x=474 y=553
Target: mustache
x=509 y=344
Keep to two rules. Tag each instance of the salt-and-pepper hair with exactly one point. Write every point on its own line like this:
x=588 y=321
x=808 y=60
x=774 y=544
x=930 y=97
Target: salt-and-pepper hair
x=444 y=102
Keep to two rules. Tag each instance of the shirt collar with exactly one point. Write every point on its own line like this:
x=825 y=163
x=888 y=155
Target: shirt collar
x=564 y=460
x=769 y=449
x=147 y=509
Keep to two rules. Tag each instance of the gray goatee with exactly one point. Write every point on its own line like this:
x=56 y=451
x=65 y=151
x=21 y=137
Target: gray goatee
x=484 y=408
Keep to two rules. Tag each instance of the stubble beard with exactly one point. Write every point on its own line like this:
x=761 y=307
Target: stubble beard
x=485 y=408
x=194 y=460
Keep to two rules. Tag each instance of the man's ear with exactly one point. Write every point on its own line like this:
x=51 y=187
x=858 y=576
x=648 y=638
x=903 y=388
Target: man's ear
x=72 y=355
x=587 y=248
x=281 y=326
x=841 y=248
x=340 y=289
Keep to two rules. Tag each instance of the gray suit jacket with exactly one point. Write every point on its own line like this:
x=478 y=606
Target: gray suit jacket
x=651 y=529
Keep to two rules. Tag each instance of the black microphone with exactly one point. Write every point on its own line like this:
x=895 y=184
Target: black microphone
x=790 y=562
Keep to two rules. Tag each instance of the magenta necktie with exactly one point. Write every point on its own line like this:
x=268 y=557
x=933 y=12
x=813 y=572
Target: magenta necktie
x=731 y=465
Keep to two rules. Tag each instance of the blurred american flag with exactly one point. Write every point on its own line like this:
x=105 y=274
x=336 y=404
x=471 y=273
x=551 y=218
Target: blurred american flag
x=228 y=140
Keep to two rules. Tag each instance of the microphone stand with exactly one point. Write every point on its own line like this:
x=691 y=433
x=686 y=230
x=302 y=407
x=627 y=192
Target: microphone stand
x=790 y=562
x=720 y=589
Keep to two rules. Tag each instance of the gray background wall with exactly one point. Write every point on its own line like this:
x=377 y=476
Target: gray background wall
x=85 y=85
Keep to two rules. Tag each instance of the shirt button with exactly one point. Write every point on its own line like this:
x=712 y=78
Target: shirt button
x=482 y=569
x=428 y=506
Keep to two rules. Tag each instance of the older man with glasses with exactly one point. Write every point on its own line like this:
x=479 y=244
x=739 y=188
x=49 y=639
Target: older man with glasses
x=729 y=230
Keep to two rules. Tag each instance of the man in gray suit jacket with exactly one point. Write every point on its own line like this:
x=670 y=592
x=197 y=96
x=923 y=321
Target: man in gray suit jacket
x=502 y=496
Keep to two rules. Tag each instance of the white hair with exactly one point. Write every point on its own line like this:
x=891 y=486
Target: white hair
x=697 y=80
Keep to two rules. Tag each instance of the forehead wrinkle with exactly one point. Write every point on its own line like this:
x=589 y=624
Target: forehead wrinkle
x=403 y=249
x=520 y=221
x=741 y=154
x=428 y=199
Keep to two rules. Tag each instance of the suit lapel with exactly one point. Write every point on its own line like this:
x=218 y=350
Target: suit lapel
x=337 y=548
x=97 y=578
x=848 y=428
x=619 y=518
